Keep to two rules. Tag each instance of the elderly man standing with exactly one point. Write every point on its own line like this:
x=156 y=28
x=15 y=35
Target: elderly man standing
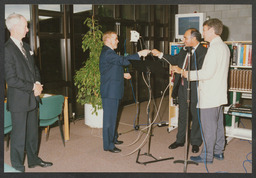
x=112 y=87
x=212 y=92
x=24 y=88
x=192 y=38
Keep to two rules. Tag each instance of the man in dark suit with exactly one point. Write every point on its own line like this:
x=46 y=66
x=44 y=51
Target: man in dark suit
x=24 y=88
x=192 y=38
x=112 y=87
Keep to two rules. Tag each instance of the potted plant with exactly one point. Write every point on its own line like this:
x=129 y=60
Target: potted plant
x=87 y=78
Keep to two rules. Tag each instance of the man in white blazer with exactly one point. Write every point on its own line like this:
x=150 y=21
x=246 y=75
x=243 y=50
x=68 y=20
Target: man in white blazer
x=212 y=92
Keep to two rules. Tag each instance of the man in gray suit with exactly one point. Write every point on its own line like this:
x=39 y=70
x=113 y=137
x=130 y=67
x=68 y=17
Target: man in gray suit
x=24 y=87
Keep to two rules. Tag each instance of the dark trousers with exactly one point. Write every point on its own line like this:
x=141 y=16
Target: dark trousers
x=24 y=137
x=195 y=134
x=110 y=122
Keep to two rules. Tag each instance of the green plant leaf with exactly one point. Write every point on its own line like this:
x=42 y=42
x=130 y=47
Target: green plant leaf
x=87 y=78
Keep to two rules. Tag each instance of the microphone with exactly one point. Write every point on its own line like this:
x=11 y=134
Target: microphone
x=187 y=48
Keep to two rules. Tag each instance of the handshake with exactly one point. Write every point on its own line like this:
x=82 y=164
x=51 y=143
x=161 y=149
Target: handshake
x=145 y=52
x=159 y=54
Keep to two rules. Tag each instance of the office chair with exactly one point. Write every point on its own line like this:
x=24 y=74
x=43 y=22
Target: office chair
x=50 y=111
x=7 y=124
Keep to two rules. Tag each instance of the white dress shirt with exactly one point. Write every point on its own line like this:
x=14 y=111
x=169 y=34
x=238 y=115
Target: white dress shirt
x=17 y=43
x=192 y=51
x=213 y=75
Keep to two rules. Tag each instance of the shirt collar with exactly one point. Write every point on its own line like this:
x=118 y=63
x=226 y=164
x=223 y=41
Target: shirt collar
x=194 y=48
x=17 y=42
x=217 y=39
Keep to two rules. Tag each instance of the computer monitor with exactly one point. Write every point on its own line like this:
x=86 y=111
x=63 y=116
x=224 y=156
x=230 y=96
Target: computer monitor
x=186 y=21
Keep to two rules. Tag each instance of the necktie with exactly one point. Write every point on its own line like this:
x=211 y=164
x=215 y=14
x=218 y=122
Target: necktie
x=186 y=63
x=25 y=55
x=23 y=50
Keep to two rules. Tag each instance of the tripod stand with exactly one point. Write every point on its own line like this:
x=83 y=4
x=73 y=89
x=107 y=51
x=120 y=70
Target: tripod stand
x=136 y=126
x=149 y=131
x=185 y=161
x=140 y=67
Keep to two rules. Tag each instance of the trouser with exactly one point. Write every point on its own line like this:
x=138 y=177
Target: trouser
x=110 y=122
x=195 y=134
x=213 y=132
x=24 y=137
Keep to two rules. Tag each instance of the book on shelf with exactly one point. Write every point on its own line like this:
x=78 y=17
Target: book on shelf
x=247 y=95
x=240 y=63
x=234 y=56
x=240 y=79
x=240 y=114
x=241 y=54
x=250 y=56
x=175 y=48
x=240 y=108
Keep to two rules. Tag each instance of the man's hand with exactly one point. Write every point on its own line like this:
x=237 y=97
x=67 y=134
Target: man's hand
x=38 y=88
x=127 y=76
x=155 y=52
x=185 y=74
x=176 y=69
x=144 y=52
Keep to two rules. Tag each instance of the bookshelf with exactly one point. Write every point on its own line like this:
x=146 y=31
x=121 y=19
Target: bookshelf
x=244 y=68
x=173 y=109
x=240 y=81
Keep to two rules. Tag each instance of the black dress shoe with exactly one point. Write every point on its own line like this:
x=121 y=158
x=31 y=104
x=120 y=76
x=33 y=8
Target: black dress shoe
x=119 y=142
x=195 y=148
x=175 y=145
x=115 y=150
x=42 y=164
x=219 y=156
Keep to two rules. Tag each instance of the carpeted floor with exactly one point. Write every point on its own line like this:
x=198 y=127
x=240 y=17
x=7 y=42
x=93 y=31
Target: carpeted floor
x=84 y=153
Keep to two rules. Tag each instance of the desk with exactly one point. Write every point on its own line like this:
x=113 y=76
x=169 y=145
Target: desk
x=65 y=113
x=66 y=121
x=173 y=110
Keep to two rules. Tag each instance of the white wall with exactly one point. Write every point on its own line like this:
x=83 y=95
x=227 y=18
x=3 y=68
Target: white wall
x=236 y=17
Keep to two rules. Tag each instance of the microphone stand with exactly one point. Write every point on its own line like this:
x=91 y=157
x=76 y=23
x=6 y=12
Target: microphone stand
x=185 y=161
x=136 y=126
x=150 y=131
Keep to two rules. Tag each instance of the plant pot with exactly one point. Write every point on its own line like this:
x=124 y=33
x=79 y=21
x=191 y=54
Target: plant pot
x=93 y=120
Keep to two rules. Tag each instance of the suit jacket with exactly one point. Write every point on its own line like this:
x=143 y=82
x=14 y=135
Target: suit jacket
x=112 y=72
x=20 y=75
x=179 y=59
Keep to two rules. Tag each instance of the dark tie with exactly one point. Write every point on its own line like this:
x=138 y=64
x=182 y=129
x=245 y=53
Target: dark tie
x=186 y=63
x=25 y=55
x=23 y=50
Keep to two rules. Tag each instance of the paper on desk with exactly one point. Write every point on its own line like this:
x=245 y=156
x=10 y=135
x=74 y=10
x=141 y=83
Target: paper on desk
x=46 y=95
